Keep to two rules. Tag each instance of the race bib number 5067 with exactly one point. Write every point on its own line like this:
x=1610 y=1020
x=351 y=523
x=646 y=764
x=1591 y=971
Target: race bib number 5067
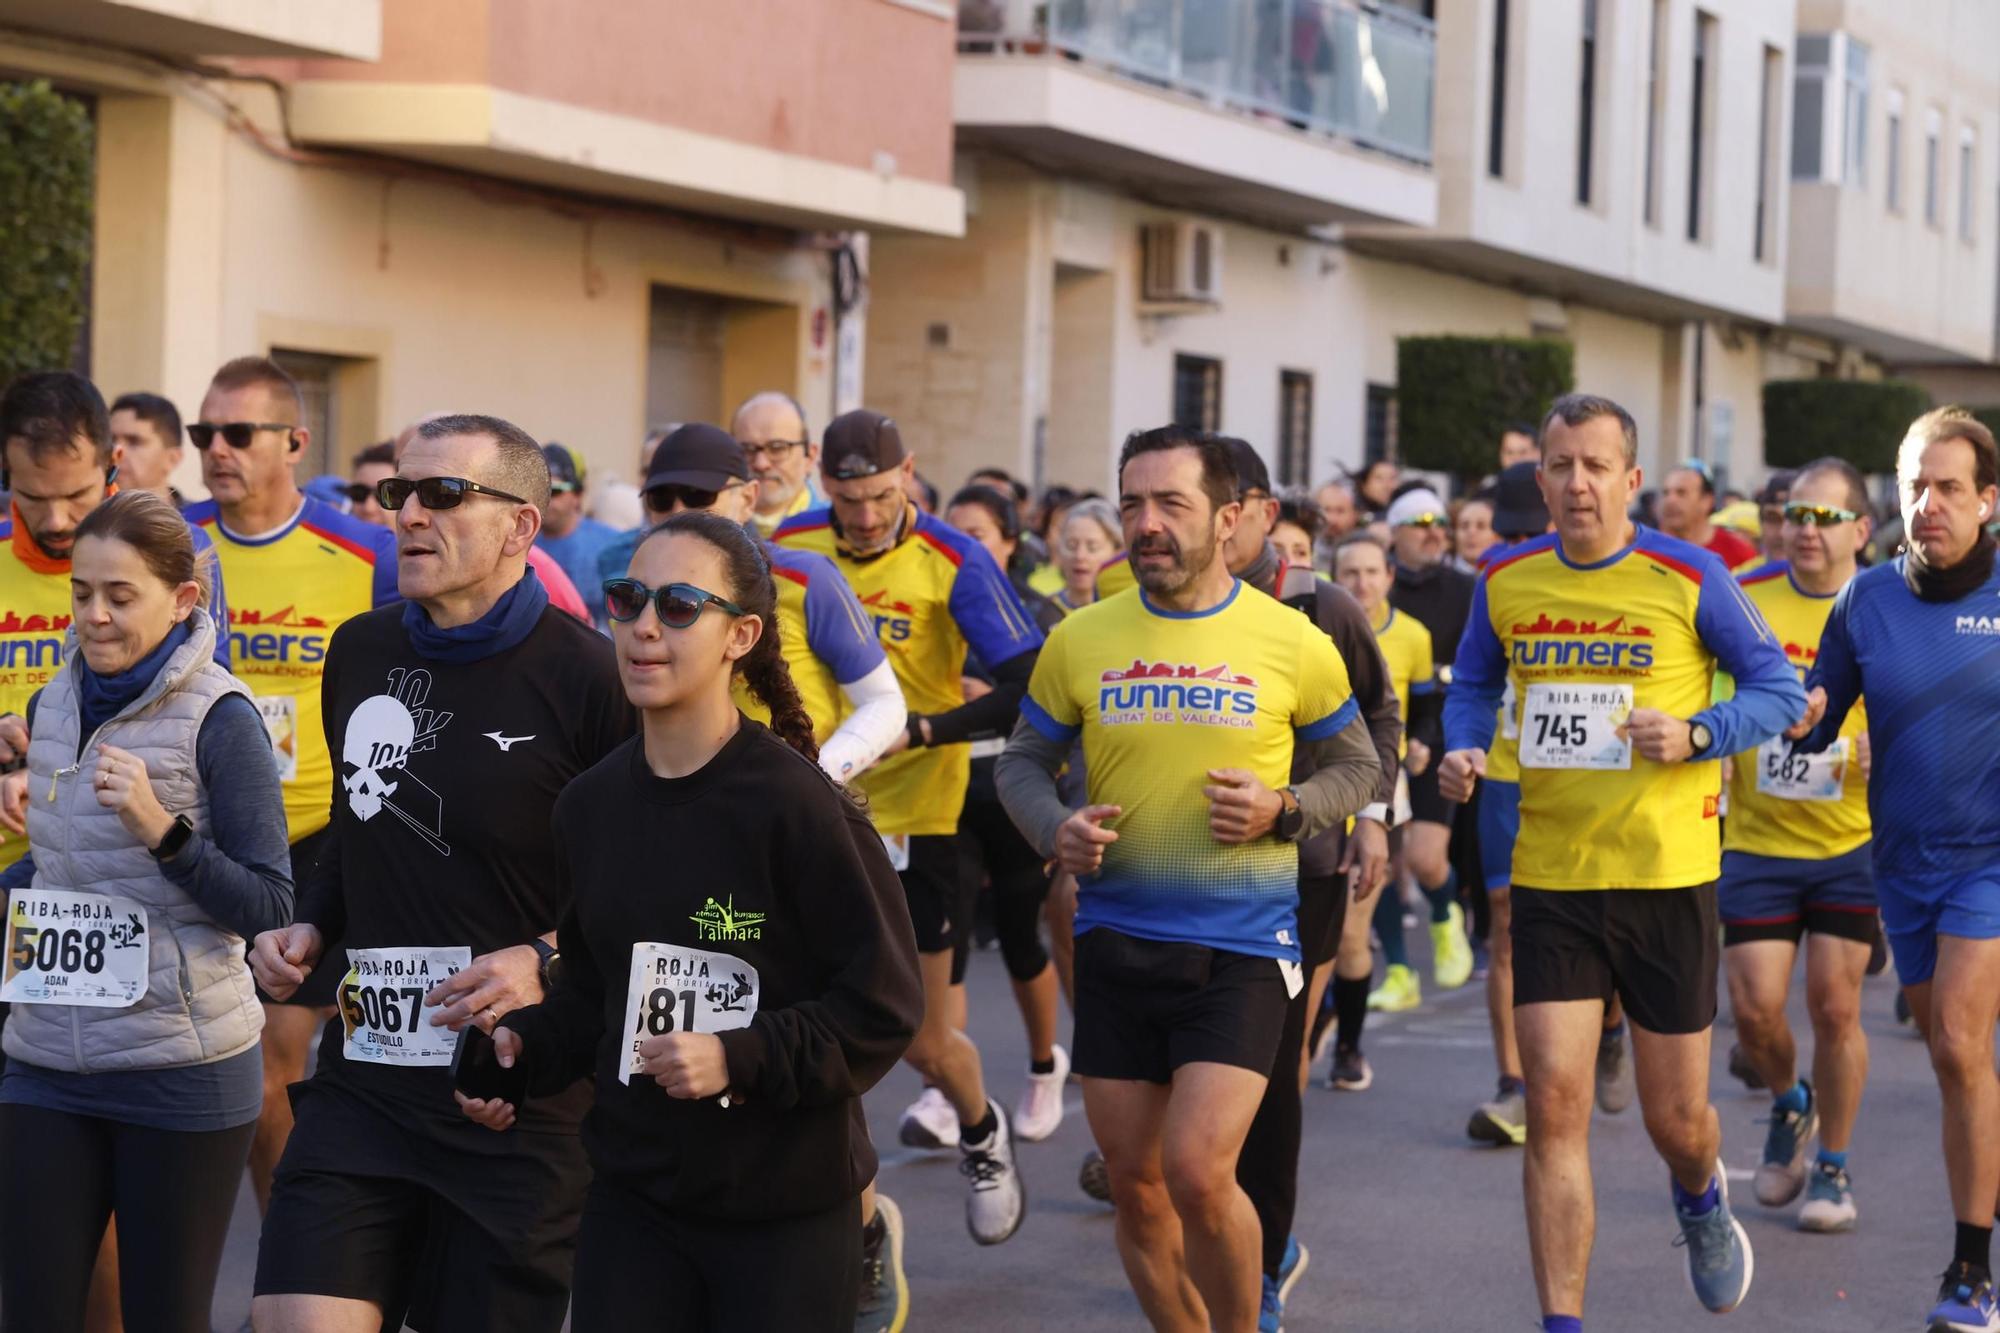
x=74 y=948
x=382 y=1005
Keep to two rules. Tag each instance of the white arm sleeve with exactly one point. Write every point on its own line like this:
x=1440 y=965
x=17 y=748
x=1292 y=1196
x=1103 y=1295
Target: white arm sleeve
x=879 y=716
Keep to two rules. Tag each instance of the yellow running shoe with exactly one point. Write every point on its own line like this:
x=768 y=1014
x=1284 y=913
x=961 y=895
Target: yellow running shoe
x=1451 y=951
x=1399 y=990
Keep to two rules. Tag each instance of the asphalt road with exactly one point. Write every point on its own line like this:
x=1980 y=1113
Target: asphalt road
x=1410 y=1225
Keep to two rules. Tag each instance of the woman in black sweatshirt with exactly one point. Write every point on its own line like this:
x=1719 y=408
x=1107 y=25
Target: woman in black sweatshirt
x=737 y=968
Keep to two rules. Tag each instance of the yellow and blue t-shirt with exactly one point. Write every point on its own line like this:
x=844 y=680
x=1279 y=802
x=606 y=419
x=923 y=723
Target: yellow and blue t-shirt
x=1406 y=650
x=932 y=596
x=293 y=589
x=826 y=639
x=1772 y=825
x=1159 y=698
x=1115 y=576
x=1656 y=617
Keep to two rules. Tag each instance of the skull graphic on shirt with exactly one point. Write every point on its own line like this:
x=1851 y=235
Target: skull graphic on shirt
x=379 y=735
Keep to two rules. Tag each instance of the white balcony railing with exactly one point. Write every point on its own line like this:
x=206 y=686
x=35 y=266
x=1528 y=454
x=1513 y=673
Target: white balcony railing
x=1359 y=73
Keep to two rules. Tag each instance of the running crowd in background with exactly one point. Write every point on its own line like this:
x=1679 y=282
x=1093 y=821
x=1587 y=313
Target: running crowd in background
x=632 y=833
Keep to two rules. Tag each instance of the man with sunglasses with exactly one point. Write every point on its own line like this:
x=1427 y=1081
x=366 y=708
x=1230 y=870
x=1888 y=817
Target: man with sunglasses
x=771 y=426
x=458 y=718
x=1796 y=864
x=301 y=569
x=933 y=594
x=371 y=465
x=573 y=537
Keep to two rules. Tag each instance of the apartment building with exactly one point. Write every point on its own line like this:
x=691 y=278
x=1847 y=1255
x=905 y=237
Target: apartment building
x=588 y=219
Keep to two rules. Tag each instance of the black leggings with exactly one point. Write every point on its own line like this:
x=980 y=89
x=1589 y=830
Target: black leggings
x=61 y=1177
x=638 y=1266
x=990 y=847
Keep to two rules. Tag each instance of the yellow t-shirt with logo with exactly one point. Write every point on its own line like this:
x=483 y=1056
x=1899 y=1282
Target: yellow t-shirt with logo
x=1768 y=824
x=1406 y=650
x=825 y=637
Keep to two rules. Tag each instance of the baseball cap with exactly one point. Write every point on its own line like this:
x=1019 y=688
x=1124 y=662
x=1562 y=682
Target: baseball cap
x=1518 y=507
x=1251 y=474
x=705 y=457
x=1411 y=506
x=1776 y=488
x=565 y=468
x=859 y=444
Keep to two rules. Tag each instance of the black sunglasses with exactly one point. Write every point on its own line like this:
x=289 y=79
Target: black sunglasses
x=662 y=498
x=357 y=491
x=237 y=434
x=678 y=604
x=435 y=492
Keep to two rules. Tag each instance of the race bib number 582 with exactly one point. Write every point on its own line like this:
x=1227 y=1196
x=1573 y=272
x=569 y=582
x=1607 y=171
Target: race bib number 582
x=673 y=989
x=382 y=1005
x=1576 y=726
x=74 y=948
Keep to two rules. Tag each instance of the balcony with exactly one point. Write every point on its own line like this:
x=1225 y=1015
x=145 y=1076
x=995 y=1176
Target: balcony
x=346 y=29
x=1296 y=112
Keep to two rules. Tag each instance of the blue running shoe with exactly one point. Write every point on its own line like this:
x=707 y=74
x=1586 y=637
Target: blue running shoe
x=1291 y=1268
x=1271 y=1315
x=1966 y=1302
x=1782 y=1173
x=1719 y=1262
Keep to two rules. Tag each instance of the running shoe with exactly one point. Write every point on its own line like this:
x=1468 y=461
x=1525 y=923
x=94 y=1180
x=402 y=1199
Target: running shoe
x=929 y=1122
x=1782 y=1173
x=1719 y=1261
x=1399 y=991
x=885 y=1288
x=1614 y=1072
x=1743 y=1071
x=1291 y=1268
x=1092 y=1178
x=1903 y=1015
x=1502 y=1122
x=1040 y=1109
x=996 y=1203
x=1451 y=951
x=1271 y=1312
x=1966 y=1302
x=1350 y=1071
x=1829 y=1202
x=1878 y=951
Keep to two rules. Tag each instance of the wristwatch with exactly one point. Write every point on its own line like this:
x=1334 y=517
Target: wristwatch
x=175 y=839
x=551 y=962
x=1291 y=819
x=1701 y=738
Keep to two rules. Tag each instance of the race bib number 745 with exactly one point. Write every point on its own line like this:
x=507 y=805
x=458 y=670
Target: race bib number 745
x=1576 y=726
x=382 y=1005
x=673 y=989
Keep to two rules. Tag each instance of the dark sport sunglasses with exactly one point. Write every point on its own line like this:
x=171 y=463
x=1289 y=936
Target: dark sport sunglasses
x=662 y=498
x=236 y=434
x=678 y=604
x=1819 y=516
x=435 y=492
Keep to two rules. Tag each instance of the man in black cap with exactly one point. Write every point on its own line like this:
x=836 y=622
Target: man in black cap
x=933 y=594
x=572 y=537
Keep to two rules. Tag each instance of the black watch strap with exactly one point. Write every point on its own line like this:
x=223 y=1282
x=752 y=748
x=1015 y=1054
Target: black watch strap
x=548 y=955
x=175 y=839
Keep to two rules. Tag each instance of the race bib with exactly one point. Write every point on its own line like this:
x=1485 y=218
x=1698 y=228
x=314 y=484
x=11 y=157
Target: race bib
x=683 y=990
x=1576 y=726
x=1510 y=721
x=382 y=1005
x=74 y=948
x=281 y=722
x=898 y=847
x=1802 y=777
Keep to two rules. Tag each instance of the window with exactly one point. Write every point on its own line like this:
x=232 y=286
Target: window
x=1764 y=244
x=1197 y=392
x=1586 y=110
x=1656 y=93
x=1830 y=87
x=1854 y=115
x=1295 y=427
x=1700 y=122
x=1496 y=128
x=1966 y=142
x=1892 y=148
x=1378 y=427
x=1933 y=166
x=1809 y=84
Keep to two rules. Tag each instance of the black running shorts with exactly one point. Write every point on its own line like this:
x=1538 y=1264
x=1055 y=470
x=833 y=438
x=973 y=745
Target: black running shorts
x=935 y=887
x=1144 y=1008
x=1656 y=949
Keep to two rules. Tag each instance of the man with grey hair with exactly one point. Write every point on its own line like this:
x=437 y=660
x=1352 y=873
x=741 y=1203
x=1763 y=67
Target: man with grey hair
x=457 y=718
x=771 y=427
x=1610 y=635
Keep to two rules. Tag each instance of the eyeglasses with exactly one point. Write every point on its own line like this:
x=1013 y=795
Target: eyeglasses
x=435 y=492
x=662 y=498
x=237 y=434
x=562 y=487
x=1819 y=516
x=1425 y=520
x=678 y=604
x=777 y=449
x=357 y=491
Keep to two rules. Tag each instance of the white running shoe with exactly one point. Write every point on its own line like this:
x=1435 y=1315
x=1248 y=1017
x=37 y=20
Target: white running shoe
x=997 y=1203
x=1040 y=1110
x=929 y=1122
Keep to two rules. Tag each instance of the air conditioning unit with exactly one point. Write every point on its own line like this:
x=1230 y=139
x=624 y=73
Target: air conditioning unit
x=1182 y=263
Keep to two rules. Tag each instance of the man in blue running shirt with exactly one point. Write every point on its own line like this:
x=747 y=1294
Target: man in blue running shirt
x=1920 y=636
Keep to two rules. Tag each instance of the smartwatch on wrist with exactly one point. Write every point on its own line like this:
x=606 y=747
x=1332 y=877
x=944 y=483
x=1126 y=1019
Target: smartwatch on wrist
x=1291 y=819
x=551 y=962
x=175 y=839
x=1701 y=738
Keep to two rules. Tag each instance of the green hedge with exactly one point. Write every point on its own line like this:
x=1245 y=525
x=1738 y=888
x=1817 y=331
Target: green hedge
x=1454 y=395
x=1989 y=415
x=1861 y=421
x=45 y=226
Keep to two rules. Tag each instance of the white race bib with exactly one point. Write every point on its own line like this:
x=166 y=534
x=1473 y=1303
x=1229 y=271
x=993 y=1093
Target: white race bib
x=1510 y=722
x=1802 y=777
x=75 y=948
x=382 y=1005
x=898 y=847
x=1576 y=726
x=281 y=722
x=683 y=990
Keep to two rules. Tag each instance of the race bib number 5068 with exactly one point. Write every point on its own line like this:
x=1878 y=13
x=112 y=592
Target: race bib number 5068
x=382 y=1005
x=74 y=948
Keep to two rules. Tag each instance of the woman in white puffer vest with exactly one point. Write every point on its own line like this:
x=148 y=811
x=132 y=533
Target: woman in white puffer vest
x=156 y=835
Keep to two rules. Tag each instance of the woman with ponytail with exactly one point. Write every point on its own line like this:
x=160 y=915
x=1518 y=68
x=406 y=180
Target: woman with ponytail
x=737 y=970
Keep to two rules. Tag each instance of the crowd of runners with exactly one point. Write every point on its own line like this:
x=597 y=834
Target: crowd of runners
x=524 y=877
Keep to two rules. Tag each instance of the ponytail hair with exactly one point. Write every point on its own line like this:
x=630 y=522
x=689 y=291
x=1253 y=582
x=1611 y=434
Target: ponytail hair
x=763 y=668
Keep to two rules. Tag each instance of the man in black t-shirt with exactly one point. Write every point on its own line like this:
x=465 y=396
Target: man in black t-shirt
x=457 y=718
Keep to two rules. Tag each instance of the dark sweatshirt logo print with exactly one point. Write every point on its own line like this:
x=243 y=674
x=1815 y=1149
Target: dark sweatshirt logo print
x=383 y=731
x=719 y=921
